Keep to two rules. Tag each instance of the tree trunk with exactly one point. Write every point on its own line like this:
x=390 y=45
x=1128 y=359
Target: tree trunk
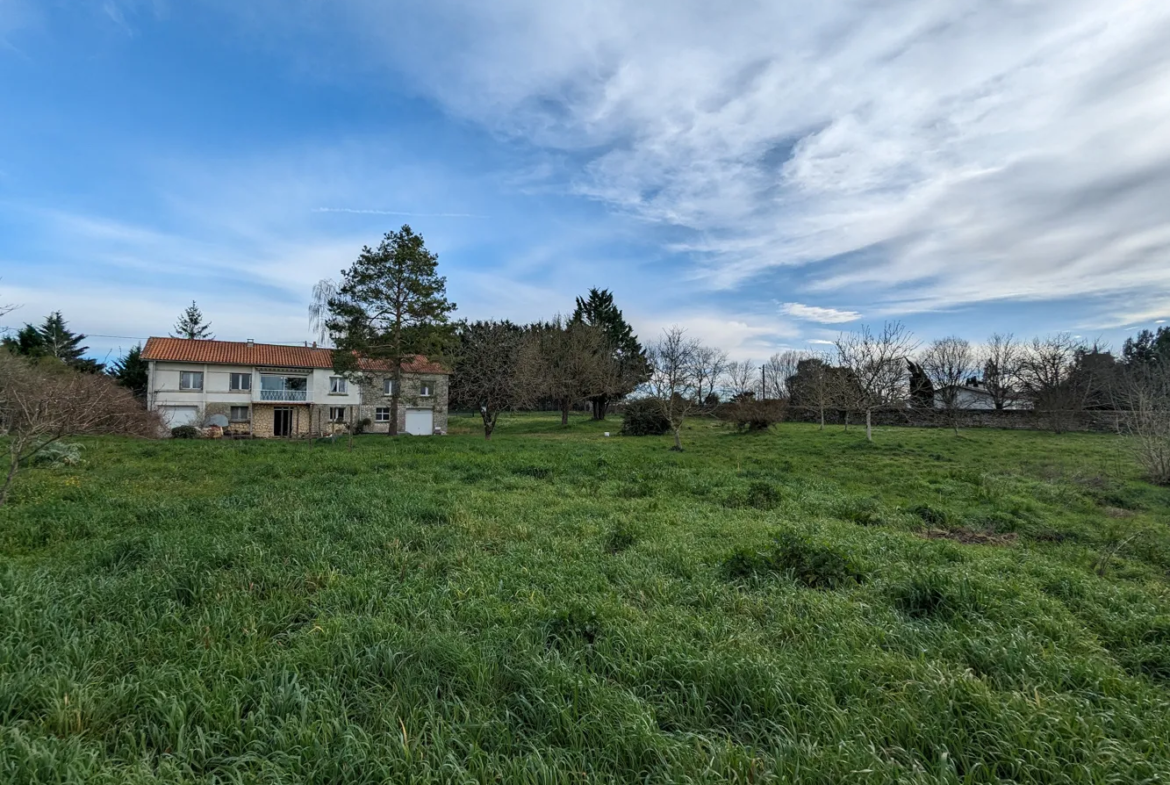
x=12 y=470
x=846 y=420
x=565 y=404
x=678 y=439
x=489 y=425
x=822 y=418
x=868 y=425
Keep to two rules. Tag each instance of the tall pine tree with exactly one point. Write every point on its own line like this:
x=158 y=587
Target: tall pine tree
x=191 y=325
x=53 y=339
x=391 y=305
x=626 y=359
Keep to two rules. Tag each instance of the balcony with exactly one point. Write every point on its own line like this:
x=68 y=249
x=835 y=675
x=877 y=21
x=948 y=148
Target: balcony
x=286 y=396
x=283 y=389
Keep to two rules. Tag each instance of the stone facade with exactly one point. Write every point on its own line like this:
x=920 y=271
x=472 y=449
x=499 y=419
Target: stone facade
x=374 y=397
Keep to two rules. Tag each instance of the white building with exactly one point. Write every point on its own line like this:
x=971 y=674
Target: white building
x=275 y=390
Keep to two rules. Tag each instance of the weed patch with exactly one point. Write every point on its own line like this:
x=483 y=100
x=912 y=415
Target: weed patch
x=813 y=564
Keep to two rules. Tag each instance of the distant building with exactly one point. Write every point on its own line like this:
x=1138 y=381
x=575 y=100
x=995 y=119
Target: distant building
x=970 y=397
x=273 y=390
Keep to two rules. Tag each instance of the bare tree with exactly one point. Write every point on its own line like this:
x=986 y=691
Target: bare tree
x=40 y=405
x=709 y=366
x=490 y=371
x=949 y=363
x=779 y=369
x=672 y=383
x=740 y=379
x=1001 y=361
x=877 y=363
x=1147 y=396
x=813 y=386
x=1047 y=375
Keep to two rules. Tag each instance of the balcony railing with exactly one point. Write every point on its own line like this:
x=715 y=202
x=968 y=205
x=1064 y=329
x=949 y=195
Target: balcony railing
x=284 y=395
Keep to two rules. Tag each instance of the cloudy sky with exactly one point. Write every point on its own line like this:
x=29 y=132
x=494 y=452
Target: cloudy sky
x=765 y=174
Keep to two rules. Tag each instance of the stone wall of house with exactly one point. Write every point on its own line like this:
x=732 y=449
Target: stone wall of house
x=374 y=397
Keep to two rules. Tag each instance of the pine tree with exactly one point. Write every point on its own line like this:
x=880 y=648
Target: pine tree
x=191 y=325
x=132 y=372
x=27 y=342
x=392 y=306
x=628 y=364
x=53 y=339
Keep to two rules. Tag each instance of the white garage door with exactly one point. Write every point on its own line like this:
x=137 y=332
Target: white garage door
x=420 y=422
x=174 y=416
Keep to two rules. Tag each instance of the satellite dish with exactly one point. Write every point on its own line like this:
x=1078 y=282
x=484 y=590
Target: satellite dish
x=217 y=419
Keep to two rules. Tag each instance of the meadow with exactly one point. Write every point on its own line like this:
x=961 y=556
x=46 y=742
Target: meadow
x=558 y=606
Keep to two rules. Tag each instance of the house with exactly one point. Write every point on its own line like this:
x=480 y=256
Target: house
x=274 y=390
x=969 y=397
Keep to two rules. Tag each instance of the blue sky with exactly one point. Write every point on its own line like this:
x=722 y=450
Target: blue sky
x=764 y=176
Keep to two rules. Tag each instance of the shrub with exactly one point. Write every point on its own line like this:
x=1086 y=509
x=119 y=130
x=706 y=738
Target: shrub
x=58 y=454
x=931 y=515
x=621 y=537
x=760 y=495
x=185 y=432
x=813 y=564
x=644 y=417
x=748 y=414
x=936 y=595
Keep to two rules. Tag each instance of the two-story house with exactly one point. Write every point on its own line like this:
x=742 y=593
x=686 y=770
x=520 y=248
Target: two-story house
x=274 y=390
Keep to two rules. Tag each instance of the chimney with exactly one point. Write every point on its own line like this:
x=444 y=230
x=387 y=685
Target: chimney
x=251 y=343
x=314 y=344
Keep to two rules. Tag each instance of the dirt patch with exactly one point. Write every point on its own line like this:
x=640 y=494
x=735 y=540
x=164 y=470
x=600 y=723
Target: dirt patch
x=969 y=536
x=1117 y=512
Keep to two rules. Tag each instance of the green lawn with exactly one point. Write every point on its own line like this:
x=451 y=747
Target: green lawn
x=557 y=606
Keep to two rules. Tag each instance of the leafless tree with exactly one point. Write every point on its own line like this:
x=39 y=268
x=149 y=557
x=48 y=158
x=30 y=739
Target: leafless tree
x=1147 y=396
x=491 y=374
x=779 y=369
x=565 y=359
x=1047 y=375
x=40 y=405
x=709 y=366
x=1002 y=357
x=949 y=363
x=740 y=379
x=673 y=383
x=877 y=363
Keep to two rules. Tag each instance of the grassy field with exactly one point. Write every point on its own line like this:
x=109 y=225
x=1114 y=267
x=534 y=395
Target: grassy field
x=557 y=606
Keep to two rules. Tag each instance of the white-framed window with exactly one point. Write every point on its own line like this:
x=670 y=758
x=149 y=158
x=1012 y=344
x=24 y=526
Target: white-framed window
x=382 y=414
x=337 y=385
x=240 y=381
x=388 y=386
x=190 y=380
x=239 y=414
x=426 y=390
x=336 y=414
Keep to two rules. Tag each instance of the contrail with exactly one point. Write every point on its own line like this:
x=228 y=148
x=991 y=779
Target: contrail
x=394 y=212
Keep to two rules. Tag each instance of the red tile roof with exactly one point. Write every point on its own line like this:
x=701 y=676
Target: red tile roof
x=183 y=350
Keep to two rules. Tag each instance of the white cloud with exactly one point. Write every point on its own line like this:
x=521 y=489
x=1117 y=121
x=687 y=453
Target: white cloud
x=813 y=313
x=974 y=151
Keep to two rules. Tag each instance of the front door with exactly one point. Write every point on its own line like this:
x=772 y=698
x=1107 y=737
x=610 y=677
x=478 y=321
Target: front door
x=282 y=421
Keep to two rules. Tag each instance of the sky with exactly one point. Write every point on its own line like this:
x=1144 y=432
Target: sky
x=763 y=174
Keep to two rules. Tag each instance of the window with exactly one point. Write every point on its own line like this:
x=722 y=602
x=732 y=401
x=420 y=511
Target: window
x=190 y=380
x=239 y=413
x=337 y=385
x=240 y=381
x=426 y=390
x=388 y=386
x=382 y=414
x=336 y=414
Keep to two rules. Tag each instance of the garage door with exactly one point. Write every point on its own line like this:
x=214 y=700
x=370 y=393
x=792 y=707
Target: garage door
x=174 y=416
x=420 y=422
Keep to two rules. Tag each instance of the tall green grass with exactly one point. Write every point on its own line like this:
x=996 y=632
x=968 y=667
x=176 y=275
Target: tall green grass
x=558 y=606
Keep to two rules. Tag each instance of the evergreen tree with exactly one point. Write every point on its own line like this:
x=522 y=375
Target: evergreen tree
x=627 y=360
x=392 y=306
x=26 y=343
x=191 y=325
x=132 y=372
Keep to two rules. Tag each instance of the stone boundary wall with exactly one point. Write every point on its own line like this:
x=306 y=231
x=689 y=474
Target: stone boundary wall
x=1014 y=419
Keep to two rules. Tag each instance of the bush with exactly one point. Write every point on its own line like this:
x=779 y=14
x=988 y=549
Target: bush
x=748 y=414
x=185 y=432
x=58 y=454
x=644 y=417
x=813 y=564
